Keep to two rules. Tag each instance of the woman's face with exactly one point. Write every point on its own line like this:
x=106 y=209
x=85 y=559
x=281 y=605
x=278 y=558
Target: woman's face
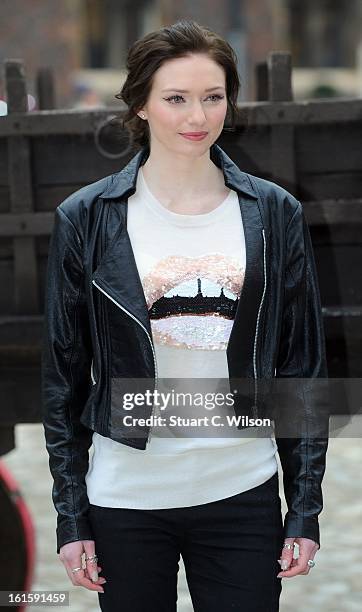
x=179 y=103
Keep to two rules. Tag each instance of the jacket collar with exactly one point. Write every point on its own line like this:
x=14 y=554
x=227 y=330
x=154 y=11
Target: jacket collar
x=124 y=182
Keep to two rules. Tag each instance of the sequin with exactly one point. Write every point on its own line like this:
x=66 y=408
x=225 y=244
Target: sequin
x=192 y=300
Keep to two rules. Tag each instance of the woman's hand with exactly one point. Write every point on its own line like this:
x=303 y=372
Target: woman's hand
x=307 y=550
x=71 y=556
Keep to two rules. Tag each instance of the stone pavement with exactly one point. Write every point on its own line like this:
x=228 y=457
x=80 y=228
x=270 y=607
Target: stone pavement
x=333 y=585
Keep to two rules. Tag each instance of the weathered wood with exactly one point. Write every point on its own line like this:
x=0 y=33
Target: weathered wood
x=21 y=196
x=339 y=277
x=342 y=311
x=71 y=160
x=330 y=186
x=343 y=345
x=279 y=76
x=45 y=88
x=329 y=148
x=26 y=224
x=261 y=81
x=333 y=212
x=20 y=179
x=16 y=94
x=79 y=121
x=282 y=151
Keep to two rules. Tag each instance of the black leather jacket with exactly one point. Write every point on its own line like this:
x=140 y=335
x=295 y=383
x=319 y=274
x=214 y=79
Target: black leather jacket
x=96 y=326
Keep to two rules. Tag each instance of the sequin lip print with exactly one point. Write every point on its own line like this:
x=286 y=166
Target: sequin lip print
x=192 y=300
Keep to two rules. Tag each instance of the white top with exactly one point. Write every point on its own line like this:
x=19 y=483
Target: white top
x=192 y=270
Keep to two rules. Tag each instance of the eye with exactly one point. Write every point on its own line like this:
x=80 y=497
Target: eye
x=172 y=98
x=216 y=96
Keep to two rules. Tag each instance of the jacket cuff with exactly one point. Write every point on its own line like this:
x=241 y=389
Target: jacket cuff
x=301 y=527
x=72 y=530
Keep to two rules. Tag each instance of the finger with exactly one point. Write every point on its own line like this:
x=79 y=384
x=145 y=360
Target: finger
x=91 y=564
x=72 y=563
x=72 y=575
x=89 y=584
x=100 y=579
x=80 y=579
x=99 y=569
x=286 y=556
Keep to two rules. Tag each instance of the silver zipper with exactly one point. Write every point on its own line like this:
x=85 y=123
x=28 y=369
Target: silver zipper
x=146 y=332
x=257 y=329
x=92 y=375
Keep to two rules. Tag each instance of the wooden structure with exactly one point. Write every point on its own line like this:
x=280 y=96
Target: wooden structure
x=310 y=147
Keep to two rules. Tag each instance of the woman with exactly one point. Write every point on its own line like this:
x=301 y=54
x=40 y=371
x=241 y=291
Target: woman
x=180 y=267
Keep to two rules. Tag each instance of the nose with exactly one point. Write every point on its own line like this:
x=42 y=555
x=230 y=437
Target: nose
x=197 y=115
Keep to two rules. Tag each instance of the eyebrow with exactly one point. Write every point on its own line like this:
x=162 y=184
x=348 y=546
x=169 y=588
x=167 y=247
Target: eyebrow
x=186 y=91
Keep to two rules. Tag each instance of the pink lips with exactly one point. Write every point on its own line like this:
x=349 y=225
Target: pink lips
x=194 y=135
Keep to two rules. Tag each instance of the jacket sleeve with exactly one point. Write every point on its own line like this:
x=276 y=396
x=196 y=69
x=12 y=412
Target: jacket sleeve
x=302 y=355
x=65 y=384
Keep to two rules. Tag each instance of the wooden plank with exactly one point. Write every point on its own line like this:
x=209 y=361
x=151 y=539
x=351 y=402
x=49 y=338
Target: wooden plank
x=79 y=121
x=308 y=112
x=342 y=311
x=19 y=331
x=330 y=186
x=48 y=197
x=71 y=159
x=21 y=196
x=4 y=199
x=21 y=394
x=250 y=150
x=282 y=144
x=336 y=234
x=339 y=277
x=26 y=277
x=343 y=344
x=15 y=86
x=279 y=76
x=26 y=224
x=45 y=88
x=282 y=154
x=329 y=148
x=20 y=183
x=333 y=212
x=3 y=159
x=7 y=284
x=261 y=81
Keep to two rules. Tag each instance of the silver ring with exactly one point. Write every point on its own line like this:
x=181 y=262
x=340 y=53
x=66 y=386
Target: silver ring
x=311 y=563
x=76 y=569
x=289 y=546
x=92 y=558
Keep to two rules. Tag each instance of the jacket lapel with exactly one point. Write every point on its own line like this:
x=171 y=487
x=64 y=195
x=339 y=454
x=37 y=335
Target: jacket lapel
x=242 y=337
x=118 y=276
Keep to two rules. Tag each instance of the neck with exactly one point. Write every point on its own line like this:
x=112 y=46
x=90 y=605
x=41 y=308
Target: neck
x=181 y=176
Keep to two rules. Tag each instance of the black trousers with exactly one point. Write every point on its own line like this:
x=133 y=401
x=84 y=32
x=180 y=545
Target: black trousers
x=229 y=547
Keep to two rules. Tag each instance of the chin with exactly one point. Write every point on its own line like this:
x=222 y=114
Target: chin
x=189 y=145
